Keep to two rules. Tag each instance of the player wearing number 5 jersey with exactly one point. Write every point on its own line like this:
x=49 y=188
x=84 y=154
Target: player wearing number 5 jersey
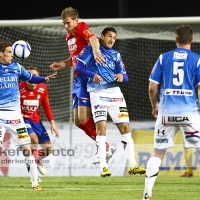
x=178 y=73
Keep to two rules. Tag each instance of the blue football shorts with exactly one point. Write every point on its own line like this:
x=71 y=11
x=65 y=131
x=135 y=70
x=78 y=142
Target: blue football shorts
x=39 y=129
x=80 y=95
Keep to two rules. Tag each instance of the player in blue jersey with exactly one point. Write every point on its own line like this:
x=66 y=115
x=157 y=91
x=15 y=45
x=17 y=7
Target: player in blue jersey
x=178 y=74
x=10 y=113
x=106 y=97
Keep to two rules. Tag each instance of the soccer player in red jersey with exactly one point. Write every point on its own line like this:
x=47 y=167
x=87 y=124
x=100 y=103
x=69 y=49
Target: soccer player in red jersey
x=31 y=97
x=77 y=37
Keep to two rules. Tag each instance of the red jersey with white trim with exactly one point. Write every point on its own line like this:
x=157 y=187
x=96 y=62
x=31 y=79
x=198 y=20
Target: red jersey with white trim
x=31 y=100
x=78 y=40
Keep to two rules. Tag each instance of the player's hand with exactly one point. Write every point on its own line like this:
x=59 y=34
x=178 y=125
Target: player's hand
x=118 y=77
x=155 y=111
x=56 y=66
x=54 y=129
x=51 y=76
x=98 y=57
x=97 y=79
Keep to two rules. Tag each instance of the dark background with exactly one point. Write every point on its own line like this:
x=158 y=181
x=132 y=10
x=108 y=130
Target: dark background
x=27 y=9
x=139 y=54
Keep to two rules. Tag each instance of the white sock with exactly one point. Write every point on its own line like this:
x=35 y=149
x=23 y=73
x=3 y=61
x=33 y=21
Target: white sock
x=100 y=141
x=152 y=170
x=127 y=141
x=33 y=170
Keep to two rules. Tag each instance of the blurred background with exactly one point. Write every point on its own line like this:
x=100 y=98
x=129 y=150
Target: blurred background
x=23 y=9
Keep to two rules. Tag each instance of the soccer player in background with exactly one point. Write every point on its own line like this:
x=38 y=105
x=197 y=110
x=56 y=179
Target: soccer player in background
x=188 y=161
x=178 y=73
x=77 y=37
x=31 y=97
x=10 y=112
x=106 y=97
x=188 y=154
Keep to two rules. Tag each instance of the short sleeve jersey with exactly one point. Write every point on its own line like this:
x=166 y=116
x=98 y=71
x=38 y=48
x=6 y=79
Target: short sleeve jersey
x=178 y=73
x=78 y=40
x=31 y=100
x=112 y=65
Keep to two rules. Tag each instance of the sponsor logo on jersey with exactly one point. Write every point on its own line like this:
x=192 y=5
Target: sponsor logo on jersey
x=72 y=47
x=88 y=33
x=71 y=41
x=29 y=108
x=179 y=92
x=31 y=102
x=11 y=85
x=41 y=90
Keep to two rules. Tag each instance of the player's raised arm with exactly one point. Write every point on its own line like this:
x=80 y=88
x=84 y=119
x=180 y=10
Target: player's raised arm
x=59 y=65
x=94 y=41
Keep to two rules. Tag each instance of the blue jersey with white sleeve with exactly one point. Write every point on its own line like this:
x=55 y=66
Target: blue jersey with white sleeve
x=9 y=89
x=178 y=73
x=112 y=65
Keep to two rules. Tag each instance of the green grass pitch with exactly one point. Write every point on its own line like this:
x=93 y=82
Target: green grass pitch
x=96 y=188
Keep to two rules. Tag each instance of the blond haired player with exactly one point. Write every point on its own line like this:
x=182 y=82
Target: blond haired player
x=77 y=37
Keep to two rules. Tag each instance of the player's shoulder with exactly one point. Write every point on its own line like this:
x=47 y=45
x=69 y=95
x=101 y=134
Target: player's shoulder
x=195 y=54
x=42 y=86
x=82 y=25
x=15 y=65
x=114 y=53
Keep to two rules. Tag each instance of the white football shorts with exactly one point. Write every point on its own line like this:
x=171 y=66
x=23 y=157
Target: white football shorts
x=113 y=103
x=166 y=127
x=13 y=123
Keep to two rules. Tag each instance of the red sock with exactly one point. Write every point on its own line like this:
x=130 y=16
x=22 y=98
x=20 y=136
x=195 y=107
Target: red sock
x=35 y=154
x=89 y=128
x=42 y=154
